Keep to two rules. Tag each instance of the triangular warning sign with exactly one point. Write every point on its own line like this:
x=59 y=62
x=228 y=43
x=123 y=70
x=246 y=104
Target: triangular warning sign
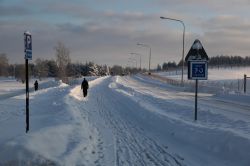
x=196 y=52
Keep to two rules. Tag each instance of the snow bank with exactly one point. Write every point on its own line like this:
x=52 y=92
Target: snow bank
x=60 y=133
x=9 y=87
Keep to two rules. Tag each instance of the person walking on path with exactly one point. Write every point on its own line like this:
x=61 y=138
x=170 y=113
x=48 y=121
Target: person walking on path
x=84 y=87
x=36 y=85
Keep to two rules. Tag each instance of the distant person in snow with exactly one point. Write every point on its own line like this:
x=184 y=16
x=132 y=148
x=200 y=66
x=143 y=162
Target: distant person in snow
x=84 y=87
x=36 y=85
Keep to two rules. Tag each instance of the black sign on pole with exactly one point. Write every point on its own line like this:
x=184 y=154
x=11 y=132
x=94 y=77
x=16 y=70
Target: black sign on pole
x=27 y=57
x=197 y=67
x=196 y=52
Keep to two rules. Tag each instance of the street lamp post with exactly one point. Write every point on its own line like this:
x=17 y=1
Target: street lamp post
x=14 y=74
x=183 y=43
x=132 y=53
x=133 y=60
x=145 y=45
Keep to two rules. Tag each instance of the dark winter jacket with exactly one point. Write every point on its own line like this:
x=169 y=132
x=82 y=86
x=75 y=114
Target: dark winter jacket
x=36 y=85
x=85 y=85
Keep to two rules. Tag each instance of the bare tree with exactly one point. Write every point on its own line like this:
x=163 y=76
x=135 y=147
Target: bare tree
x=62 y=59
x=20 y=72
x=41 y=68
x=4 y=64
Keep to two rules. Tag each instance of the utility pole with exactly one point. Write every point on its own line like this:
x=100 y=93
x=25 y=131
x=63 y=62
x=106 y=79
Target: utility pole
x=149 y=62
x=132 y=53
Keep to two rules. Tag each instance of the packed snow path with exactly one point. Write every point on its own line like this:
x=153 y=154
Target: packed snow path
x=124 y=121
x=132 y=145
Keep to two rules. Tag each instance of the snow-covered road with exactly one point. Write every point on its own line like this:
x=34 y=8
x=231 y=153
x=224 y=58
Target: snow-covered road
x=213 y=111
x=125 y=121
x=128 y=123
x=147 y=118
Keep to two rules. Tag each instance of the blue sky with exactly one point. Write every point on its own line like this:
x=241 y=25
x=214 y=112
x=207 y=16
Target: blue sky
x=106 y=31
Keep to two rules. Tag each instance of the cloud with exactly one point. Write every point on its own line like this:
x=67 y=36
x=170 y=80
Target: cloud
x=14 y=11
x=212 y=4
x=67 y=8
x=110 y=43
x=226 y=34
x=107 y=35
x=227 y=22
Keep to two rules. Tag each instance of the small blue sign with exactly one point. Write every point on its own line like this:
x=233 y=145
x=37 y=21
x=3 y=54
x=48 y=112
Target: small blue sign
x=28 y=55
x=198 y=70
x=28 y=45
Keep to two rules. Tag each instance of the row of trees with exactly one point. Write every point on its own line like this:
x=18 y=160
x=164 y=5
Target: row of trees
x=49 y=68
x=229 y=61
x=217 y=61
x=167 y=66
x=61 y=67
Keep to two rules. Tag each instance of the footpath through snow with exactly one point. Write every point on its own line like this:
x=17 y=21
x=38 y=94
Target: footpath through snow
x=60 y=133
x=123 y=121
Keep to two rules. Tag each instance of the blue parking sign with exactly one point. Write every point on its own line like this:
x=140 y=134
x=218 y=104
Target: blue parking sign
x=28 y=45
x=198 y=70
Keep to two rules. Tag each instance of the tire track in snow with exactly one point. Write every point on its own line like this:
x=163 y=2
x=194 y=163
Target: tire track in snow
x=213 y=112
x=133 y=147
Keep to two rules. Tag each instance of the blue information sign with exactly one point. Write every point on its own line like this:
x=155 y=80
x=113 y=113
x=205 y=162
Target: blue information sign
x=198 y=70
x=28 y=45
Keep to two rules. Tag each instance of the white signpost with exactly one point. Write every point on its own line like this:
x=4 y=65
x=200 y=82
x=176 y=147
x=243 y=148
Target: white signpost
x=197 y=66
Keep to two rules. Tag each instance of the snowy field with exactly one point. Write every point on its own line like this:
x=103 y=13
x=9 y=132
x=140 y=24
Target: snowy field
x=222 y=80
x=124 y=121
x=215 y=73
x=10 y=87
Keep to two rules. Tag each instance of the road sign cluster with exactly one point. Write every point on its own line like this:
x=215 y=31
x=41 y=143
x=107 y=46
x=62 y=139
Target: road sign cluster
x=197 y=66
x=197 y=62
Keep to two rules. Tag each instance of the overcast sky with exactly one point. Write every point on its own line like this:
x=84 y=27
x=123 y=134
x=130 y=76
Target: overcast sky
x=106 y=31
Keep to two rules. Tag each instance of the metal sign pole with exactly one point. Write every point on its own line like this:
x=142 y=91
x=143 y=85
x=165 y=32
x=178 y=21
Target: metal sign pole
x=27 y=94
x=196 y=96
x=245 y=83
